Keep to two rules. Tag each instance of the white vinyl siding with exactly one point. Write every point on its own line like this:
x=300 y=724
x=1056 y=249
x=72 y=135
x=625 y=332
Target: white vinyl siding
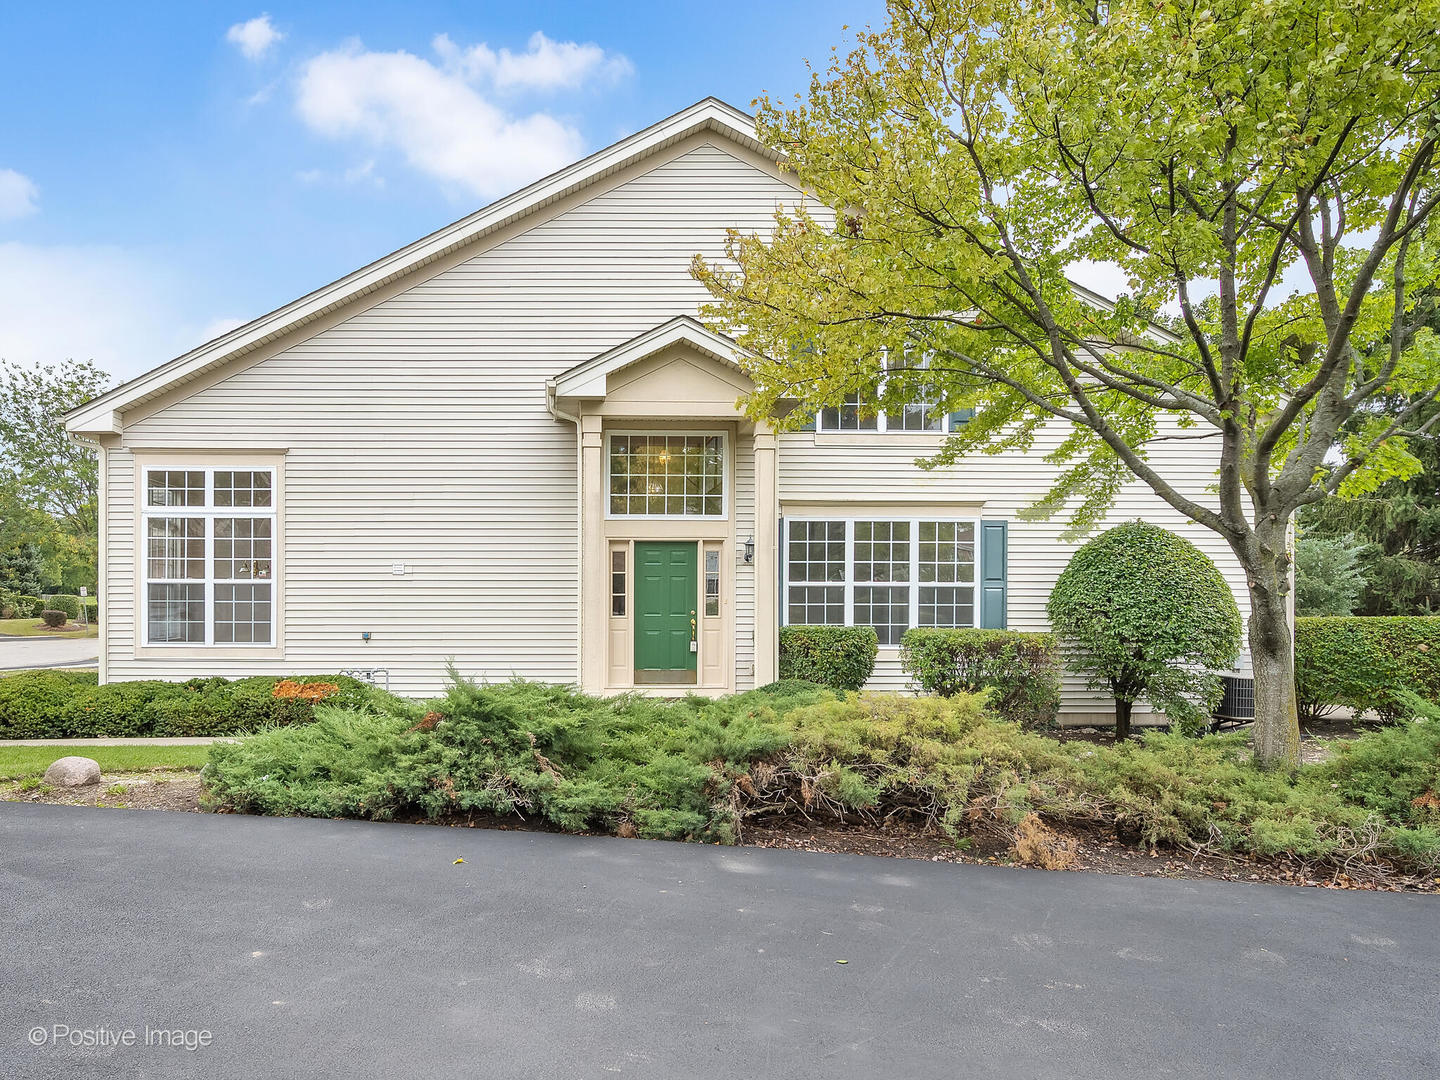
x=820 y=477
x=416 y=434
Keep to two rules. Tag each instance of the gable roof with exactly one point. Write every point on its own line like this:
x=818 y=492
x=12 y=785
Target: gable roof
x=588 y=378
x=103 y=414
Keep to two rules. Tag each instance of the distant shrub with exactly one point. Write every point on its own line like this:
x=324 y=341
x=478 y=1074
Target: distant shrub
x=839 y=657
x=57 y=705
x=1019 y=669
x=70 y=605
x=54 y=619
x=1366 y=663
x=28 y=607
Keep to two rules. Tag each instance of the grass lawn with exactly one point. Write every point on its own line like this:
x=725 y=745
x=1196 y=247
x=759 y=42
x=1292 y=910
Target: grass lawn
x=36 y=628
x=17 y=762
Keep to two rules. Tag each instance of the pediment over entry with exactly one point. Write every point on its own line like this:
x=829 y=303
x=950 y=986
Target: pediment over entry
x=680 y=369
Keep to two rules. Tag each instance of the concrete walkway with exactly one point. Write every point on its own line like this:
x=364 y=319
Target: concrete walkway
x=25 y=654
x=351 y=949
x=162 y=740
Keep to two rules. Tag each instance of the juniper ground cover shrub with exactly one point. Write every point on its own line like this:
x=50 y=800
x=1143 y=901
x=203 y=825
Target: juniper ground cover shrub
x=700 y=769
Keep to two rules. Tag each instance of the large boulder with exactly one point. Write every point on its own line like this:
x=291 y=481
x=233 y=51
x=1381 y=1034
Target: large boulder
x=73 y=772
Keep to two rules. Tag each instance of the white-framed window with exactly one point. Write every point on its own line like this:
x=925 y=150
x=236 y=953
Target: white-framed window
x=670 y=474
x=922 y=412
x=209 y=539
x=888 y=572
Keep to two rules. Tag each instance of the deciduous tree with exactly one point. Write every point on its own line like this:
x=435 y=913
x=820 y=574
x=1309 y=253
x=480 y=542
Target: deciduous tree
x=1261 y=170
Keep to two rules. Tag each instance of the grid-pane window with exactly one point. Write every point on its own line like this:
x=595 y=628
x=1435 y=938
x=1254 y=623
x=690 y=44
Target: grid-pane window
x=209 y=574
x=242 y=614
x=175 y=487
x=712 y=582
x=891 y=574
x=848 y=417
x=815 y=571
x=176 y=612
x=242 y=488
x=175 y=548
x=886 y=608
x=921 y=409
x=882 y=551
x=667 y=475
x=617 y=582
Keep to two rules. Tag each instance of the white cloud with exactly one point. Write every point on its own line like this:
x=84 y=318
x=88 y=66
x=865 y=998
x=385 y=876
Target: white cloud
x=18 y=195
x=444 y=118
x=363 y=173
x=545 y=65
x=254 y=38
x=94 y=302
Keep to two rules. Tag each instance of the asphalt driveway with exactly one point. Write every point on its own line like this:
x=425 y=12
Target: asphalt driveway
x=346 y=949
x=23 y=653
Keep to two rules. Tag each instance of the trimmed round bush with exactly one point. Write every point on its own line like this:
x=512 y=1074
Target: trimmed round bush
x=1146 y=614
x=54 y=619
x=840 y=657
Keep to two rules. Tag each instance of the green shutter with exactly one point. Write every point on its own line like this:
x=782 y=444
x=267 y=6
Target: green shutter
x=960 y=417
x=994 y=578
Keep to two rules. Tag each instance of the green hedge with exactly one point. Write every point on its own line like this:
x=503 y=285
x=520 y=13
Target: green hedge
x=19 y=606
x=840 y=657
x=1366 y=663
x=1020 y=669
x=70 y=705
x=66 y=603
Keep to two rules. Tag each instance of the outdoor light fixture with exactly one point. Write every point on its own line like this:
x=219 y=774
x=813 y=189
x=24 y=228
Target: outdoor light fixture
x=750 y=550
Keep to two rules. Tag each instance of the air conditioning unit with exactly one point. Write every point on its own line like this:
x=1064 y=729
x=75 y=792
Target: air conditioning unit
x=1237 y=704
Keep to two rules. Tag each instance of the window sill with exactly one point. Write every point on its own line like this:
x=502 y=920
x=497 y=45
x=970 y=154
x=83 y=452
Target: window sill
x=208 y=652
x=932 y=439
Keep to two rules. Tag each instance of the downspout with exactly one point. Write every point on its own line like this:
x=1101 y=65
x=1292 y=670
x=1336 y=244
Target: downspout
x=102 y=600
x=553 y=405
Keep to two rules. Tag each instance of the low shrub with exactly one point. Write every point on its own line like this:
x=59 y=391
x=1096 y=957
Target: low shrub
x=28 y=607
x=54 y=619
x=60 y=705
x=697 y=769
x=70 y=605
x=1366 y=663
x=840 y=657
x=1020 y=669
x=92 y=609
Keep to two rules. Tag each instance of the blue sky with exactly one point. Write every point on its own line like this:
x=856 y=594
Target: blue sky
x=168 y=171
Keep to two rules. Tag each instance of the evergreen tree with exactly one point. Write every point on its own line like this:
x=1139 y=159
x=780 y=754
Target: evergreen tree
x=1399 y=522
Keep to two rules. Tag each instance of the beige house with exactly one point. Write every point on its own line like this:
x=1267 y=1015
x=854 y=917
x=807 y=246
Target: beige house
x=511 y=445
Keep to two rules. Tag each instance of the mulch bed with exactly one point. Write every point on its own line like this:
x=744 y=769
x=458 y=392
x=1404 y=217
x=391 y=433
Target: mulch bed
x=1096 y=850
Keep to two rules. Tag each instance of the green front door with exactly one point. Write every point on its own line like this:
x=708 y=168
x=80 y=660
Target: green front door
x=665 y=588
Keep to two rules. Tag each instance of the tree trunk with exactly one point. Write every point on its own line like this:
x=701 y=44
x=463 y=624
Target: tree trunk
x=1272 y=653
x=1122 y=719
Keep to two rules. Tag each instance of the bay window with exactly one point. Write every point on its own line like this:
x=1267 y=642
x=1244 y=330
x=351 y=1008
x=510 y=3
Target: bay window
x=209 y=556
x=890 y=573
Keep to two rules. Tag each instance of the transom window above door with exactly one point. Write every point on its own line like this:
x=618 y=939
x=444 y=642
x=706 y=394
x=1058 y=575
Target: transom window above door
x=667 y=475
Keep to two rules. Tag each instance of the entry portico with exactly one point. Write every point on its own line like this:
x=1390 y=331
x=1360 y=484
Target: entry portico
x=678 y=515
